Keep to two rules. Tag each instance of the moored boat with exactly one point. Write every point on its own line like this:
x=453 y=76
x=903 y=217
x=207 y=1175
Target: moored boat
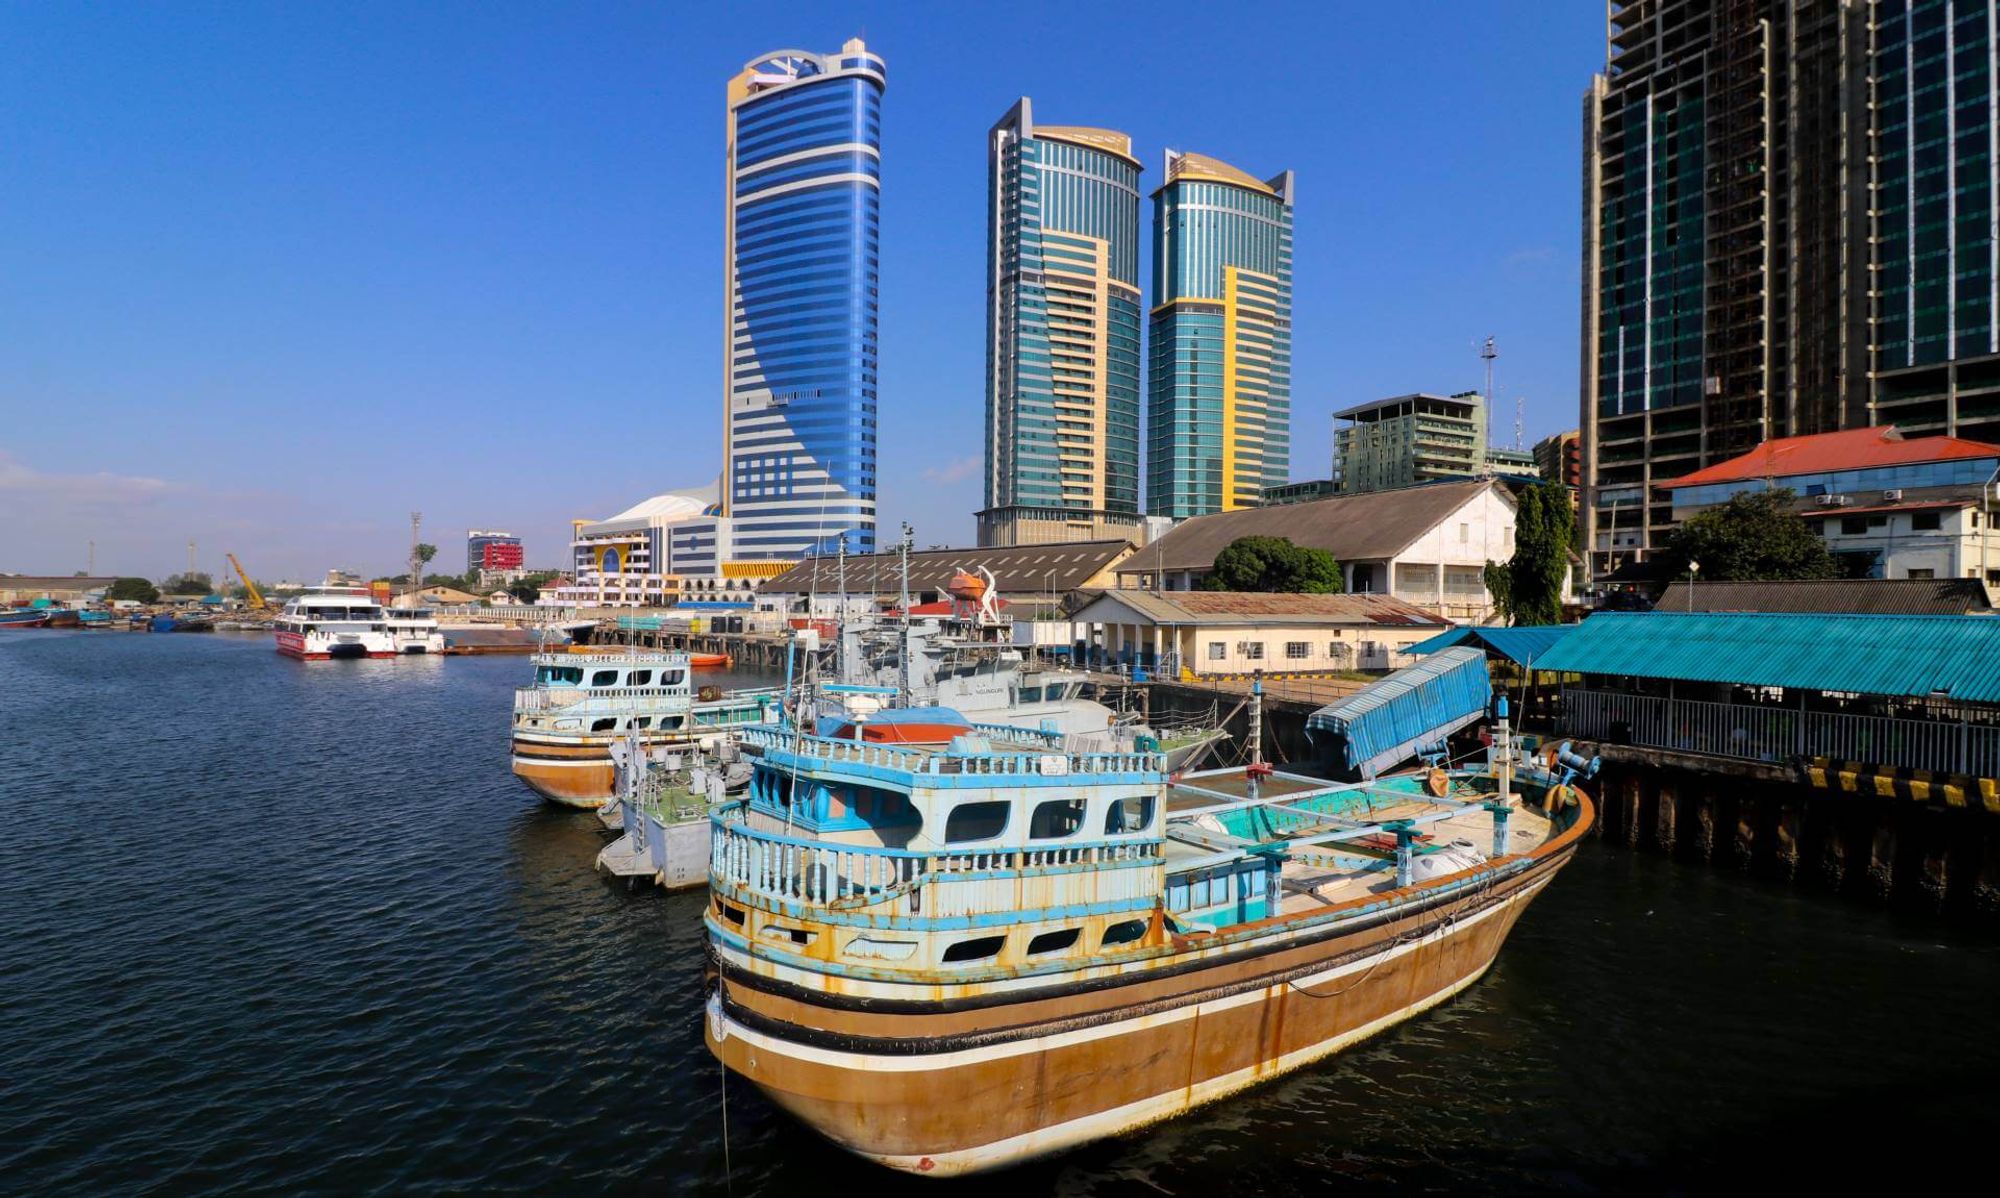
x=581 y=703
x=948 y=959
x=24 y=617
x=333 y=622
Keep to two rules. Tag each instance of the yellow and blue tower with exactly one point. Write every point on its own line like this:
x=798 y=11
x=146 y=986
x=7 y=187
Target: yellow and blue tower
x=1219 y=400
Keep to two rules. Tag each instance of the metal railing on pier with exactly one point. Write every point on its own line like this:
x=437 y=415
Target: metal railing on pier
x=1748 y=732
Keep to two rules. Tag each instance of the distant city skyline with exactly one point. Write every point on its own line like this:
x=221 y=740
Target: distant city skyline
x=329 y=283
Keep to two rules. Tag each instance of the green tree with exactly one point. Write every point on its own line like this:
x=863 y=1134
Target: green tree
x=136 y=589
x=1273 y=564
x=1755 y=537
x=189 y=584
x=1528 y=588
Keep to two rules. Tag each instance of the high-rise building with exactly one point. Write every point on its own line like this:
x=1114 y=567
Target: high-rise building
x=1409 y=439
x=1219 y=399
x=1559 y=458
x=1062 y=333
x=1936 y=201
x=490 y=549
x=1725 y=244
x=801 y=250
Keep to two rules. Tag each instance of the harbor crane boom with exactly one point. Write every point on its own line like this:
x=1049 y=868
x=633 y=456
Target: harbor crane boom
x=250 y=591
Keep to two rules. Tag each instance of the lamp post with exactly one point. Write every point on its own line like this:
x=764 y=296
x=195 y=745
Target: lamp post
x=1694 y=567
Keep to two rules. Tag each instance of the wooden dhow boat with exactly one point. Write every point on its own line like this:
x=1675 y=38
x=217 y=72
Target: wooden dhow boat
x=954 y=958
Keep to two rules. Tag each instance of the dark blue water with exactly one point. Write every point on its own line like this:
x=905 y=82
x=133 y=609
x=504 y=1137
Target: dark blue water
x=279 y=926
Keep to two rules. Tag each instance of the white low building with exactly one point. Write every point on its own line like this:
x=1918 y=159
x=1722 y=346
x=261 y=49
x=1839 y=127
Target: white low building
x=650 y=554
x=1196 y=634
x=1425 y=545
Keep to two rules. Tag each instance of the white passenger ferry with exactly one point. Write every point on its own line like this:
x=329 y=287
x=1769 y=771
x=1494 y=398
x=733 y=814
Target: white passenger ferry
x=334 y=622
x=414 y=630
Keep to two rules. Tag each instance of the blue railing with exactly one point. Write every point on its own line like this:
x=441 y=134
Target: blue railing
x=918 y=761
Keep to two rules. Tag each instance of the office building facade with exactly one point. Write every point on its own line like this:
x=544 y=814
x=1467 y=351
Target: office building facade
x=801 y=239
x=1409 y=439
x=1062 y=335
x=1218 y=422
x=1725 y=245
x=492 y=550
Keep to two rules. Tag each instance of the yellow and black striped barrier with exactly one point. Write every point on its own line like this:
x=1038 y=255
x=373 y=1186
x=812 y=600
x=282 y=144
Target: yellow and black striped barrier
x=1889 y=782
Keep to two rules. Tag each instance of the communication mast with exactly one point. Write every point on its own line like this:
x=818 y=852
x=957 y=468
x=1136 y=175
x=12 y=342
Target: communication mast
x=1487 y=353
x=416 y=563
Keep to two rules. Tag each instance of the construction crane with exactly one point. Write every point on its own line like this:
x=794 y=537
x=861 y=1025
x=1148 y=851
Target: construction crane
x=250 y=591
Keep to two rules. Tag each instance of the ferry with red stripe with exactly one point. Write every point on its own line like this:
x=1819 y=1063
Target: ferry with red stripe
x=334 y=622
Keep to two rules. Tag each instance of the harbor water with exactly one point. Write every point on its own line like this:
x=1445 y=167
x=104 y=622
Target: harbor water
x=284 y=926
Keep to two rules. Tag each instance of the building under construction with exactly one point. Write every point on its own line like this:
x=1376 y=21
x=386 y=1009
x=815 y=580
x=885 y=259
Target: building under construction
x=1725 y=244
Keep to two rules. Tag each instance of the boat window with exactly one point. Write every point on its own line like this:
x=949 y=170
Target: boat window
x=639 y=678
x=732 y=914
x=1129 y=932
x=1132 y=814
x=672 y=677
x=1054 y=942
x=604 y=678
x=644 y=721
x=976 y=821
x=979 y=948
x=1056 y=818
x=604 y=725
x=1031 y=694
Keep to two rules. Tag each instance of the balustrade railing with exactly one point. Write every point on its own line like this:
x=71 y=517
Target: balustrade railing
x=1750 y=732
x=829 y=874
x=536 y=699
x=999 y=764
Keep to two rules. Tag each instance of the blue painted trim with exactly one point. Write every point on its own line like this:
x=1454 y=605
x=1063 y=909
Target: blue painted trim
x=787 y=909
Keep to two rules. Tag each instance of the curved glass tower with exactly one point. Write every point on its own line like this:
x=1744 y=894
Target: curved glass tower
x=1219 y=402
x=804 y=215
x=1062 y=337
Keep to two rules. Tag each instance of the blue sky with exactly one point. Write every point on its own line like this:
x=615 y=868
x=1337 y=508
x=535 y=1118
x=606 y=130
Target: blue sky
x=272 y=276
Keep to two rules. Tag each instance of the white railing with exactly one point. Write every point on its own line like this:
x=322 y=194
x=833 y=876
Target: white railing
x=1777 y=734
x=533 y=699
x=922 y=762
x=828 y=874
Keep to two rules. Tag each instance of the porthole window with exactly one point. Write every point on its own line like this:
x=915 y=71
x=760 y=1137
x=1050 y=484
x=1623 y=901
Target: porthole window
x=639 y=678
x=979 y=948
x=976 y=821
x=604 y=725
x=1055 y=819
x=1133 y=814
x=604 y=678
x=1054 y=942
x=1129 y=932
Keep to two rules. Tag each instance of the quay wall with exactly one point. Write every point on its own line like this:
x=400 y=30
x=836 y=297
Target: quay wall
x=1926 y=857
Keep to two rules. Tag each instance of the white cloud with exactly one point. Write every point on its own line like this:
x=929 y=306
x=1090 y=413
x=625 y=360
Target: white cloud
x=954 y=471
x=21 y=483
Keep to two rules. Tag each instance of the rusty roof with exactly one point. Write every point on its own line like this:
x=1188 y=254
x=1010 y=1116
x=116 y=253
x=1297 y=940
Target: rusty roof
x=1818 y=453
x=1372 y=526
x=1255 y=607
x=1861 y=596
x=1027 y=570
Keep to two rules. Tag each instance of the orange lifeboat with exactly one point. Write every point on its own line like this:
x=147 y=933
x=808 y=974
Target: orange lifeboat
x=967 y=586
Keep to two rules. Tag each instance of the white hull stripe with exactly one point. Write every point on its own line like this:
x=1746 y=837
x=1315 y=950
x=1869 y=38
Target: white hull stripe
x=884 y=1063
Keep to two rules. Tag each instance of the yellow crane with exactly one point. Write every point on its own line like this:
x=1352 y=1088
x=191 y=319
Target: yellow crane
x=250 y=591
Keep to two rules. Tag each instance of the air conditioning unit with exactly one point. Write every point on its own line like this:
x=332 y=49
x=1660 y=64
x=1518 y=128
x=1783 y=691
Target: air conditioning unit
x=1842 y=500
x=1826 y=500
x=1894 y=496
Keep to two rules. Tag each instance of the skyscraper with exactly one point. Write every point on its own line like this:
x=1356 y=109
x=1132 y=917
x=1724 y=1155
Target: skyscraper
x=801 y=238
x=1725 y=245
x=1936 y=202
x=1062 y=333
x=1219 y=401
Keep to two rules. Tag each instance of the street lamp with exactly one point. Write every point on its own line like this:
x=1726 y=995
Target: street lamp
x=1694 y=568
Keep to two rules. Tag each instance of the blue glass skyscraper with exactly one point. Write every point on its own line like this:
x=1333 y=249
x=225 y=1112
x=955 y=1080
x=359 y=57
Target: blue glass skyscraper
x=803 y=224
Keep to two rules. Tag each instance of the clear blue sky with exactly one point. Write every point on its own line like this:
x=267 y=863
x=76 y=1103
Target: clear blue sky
x=274 y=275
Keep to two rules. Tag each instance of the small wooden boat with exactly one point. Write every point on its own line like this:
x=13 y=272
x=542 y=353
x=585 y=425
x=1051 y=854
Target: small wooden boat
x=709 y=661
x=24 y=618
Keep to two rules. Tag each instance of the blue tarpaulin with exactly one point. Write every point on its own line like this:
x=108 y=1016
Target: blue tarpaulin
x=1523 y=645
x=1388 y=722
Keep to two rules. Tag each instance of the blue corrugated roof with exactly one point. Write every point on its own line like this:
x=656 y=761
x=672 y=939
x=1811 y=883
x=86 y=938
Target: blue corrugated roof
x=1524 y=645
x=1957 y=656
x=1389 y=721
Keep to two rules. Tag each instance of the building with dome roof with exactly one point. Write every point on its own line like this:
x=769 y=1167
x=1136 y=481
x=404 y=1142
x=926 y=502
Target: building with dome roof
x=648 y=554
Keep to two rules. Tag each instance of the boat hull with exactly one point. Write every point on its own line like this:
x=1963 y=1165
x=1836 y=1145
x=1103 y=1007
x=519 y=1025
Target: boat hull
x=580 y=773
x=945 y=1088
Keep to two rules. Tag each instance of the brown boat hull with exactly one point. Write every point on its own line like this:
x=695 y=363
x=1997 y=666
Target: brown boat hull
x=946 y=1088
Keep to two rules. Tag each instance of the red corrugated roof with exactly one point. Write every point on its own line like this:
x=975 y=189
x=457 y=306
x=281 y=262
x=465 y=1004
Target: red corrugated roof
x=1852 y=449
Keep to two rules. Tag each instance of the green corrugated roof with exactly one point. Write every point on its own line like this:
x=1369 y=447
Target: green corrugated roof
x=1958 y=656
x=1524 y=645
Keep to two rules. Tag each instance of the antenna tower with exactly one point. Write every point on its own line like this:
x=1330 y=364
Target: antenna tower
x=416 y=563
x=1487 y=353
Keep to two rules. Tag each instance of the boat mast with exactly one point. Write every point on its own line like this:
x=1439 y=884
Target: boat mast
x=840 y=613
x=903 y=658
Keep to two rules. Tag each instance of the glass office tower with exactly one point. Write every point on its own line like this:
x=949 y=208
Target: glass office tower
x=1062 y=336
x=802 y=234
x=1219 y=403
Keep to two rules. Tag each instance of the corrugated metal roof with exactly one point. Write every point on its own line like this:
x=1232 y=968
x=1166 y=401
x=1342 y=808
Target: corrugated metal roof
x=1264 y=607
x=1523 y=645
x=1018 y=570
x=1958 y=656
x=1856 y=596
x=1387 y=722
x=1366 y=527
